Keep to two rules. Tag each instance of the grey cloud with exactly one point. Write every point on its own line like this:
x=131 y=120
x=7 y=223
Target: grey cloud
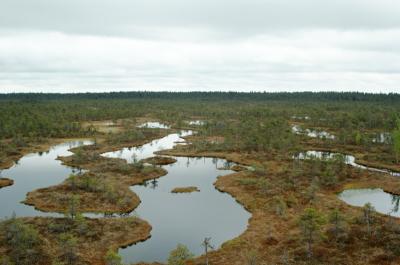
x=226 y=17
x=280 y=45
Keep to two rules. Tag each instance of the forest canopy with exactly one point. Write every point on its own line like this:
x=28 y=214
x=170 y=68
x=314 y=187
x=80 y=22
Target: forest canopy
x=285 y=96
x=60 y=115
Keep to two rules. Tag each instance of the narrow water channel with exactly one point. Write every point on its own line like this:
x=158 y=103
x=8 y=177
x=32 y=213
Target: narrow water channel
x=147 y=150
x=348 y=159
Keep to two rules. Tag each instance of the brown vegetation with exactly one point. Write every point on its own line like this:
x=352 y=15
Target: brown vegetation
x=104 y=188
x=107 y=126
x=82 y=242
x=296 y=215
x=4 y=182
x=279 y=190
x=159 y=160
x=185 y=190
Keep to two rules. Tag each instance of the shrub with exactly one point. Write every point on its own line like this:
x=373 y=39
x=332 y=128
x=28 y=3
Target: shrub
x=23 y=240
x=179 y=255
x=113 y=258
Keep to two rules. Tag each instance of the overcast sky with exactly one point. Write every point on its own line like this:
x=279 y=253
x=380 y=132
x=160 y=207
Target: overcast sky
x=244 y=45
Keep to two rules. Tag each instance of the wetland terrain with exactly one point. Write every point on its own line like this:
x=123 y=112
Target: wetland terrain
x=130 y=178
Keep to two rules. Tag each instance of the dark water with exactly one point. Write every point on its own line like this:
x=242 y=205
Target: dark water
x=382 y=201
x=34 y=171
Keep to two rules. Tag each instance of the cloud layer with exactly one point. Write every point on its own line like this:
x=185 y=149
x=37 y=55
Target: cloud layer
x=73 y=46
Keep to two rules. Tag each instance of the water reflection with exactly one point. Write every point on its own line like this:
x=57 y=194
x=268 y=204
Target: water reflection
x=382 y=138
x=186 y=218
x=294 y=117
x=312 y=133
x=175 y=218
x=154 y=125
x=382 y=201
x=131 y=154
x=34 y=171
x=182 y=218
x=197 y=122
x=348 y=159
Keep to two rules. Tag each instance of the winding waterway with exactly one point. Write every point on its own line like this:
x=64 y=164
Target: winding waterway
x=348 y=159
x=182 y=218
x=175 y=218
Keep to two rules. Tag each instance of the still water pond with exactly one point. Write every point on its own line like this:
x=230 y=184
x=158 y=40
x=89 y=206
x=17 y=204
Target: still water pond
x=186 y=218
x=382 y=201
x=175 y=218
x=182 y=218
x=34 y=171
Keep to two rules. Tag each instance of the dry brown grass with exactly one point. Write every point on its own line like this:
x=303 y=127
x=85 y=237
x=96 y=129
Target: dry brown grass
x=102 y=235
x=159 y=160
x=4 y=182
x=275 y=237
x=185 y=189
x=110 y=195
x=272 y=235
x=105 y=127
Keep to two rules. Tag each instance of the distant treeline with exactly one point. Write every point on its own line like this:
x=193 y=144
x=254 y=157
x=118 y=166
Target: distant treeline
x=61 y=115
x=207 y=96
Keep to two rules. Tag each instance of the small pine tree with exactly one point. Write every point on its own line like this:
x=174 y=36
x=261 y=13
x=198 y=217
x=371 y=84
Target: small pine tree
x=336 y=219
x=81 y=224
x=113 y=258
x=73 y=205
x=72 y=181
x=368 y=214
x=358 y=138
x=69 y=248
x=396 y=143
x=179 y=255
x=310 y=223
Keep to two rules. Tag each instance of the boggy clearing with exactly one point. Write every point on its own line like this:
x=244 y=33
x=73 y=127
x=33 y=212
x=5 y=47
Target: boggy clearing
x=296 y=215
